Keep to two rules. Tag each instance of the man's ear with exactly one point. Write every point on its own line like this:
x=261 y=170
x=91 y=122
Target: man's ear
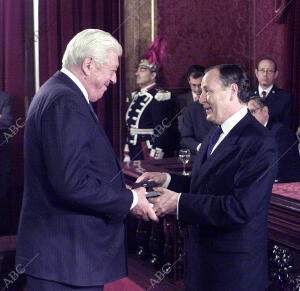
x=86 y=65
x=234 y=91
x=276 y=75
x=153 y=75
x=265 y=110
x=256 y=73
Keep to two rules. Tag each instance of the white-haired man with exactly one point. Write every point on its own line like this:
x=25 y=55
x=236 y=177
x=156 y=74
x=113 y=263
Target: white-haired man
x=71 y=233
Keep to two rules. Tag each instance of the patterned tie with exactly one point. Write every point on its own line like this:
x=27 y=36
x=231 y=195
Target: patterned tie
x=264 y=94
x=213 y=140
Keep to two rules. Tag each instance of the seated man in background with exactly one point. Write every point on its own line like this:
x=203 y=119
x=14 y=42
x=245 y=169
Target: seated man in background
x=192 y=122
x=279 y=101
x=195 y=74
x=288 y=154
x=194 y=127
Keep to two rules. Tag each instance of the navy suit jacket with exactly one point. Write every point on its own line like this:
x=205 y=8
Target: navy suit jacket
x=194 y=126
x=280 y=104
x=226 y=211
x=288 y=154
x=74 y=207
x=184 y=99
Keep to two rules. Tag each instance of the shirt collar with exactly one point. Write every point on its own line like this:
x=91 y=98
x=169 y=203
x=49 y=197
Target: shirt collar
x=232 y=121
x=77 y=82
x=260 y=89
x=145 y=89
x=195 y=96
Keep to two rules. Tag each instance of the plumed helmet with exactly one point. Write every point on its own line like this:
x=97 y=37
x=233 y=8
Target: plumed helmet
x=155 y=56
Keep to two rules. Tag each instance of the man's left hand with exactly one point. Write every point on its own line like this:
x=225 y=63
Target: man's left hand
x=166 y=203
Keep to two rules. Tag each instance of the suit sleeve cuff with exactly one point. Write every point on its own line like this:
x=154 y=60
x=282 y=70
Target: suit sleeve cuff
x=177 y=211
x=198 y=147
x=167 y=182
x=135 y=199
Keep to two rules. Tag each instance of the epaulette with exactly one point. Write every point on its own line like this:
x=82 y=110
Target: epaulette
x=133 y=93
x=162 y=95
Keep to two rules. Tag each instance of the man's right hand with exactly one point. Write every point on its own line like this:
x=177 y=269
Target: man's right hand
x=143 y=209
x=157 y=177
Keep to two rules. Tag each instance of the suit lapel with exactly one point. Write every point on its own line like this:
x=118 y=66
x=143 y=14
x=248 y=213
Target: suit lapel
x=202 y=166
x=105 y=139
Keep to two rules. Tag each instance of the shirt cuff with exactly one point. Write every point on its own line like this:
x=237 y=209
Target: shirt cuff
x=198 y=147
x=135 y=199
x=167 y=182
x=177 y=214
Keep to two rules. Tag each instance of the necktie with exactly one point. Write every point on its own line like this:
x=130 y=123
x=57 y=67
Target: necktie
x=213 y=140
x=196 y=98
x=263 y=94
x=93 y=112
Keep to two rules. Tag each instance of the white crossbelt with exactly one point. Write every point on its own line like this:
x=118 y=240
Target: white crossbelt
x=134 y=131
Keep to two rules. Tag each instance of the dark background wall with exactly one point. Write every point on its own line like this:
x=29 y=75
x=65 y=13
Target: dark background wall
x=226 y=31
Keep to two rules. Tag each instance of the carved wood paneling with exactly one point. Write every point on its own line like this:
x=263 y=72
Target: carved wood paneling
x=138 y=31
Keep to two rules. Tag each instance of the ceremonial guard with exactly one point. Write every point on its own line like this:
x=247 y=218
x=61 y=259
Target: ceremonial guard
x=149 y=118
x=150 y=125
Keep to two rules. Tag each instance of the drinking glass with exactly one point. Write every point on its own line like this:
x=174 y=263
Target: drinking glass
x=184 y=156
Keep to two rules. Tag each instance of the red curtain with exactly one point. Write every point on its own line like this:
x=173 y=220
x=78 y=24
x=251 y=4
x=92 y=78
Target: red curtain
x=12 y=67
x=59 y=21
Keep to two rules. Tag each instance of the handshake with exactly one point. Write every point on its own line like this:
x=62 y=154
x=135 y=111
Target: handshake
x=161 y=201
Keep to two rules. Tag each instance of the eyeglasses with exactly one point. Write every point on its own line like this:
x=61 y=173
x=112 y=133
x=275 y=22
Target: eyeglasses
x=262 y=71
x=253 y=111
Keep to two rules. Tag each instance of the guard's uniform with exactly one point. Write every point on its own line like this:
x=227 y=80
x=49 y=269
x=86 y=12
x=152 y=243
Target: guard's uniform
x=149 y=121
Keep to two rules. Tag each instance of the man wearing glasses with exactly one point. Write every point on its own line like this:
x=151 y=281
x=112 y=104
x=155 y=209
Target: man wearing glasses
x=288 y=156
x=278 y=100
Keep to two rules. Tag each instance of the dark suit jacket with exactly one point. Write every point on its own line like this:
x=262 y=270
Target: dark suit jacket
x=181 y=102
x=184 y=99
x=288 y=154
x=280 y=104
x=226 y=211
x=6 y=121
x=74 y=205
x=194 y=126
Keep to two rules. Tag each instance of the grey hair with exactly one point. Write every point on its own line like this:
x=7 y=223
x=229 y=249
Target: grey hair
x=94 y=43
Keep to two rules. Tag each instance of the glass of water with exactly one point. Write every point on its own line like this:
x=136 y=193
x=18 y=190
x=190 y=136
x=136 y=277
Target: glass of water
x=184 y=157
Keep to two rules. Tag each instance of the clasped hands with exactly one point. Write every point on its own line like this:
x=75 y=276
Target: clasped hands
x=160 y=206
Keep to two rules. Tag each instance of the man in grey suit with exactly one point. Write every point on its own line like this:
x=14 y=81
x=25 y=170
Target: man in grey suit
x=72 y=224
x=194 y=77
x=192 y=123
x=225 y=212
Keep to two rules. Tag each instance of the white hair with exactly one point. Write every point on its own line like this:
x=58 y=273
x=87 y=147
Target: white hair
x=94 y=43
